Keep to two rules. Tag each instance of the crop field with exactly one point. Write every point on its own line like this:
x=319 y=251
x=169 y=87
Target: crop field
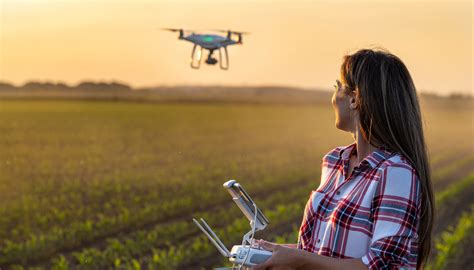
x=115 y=185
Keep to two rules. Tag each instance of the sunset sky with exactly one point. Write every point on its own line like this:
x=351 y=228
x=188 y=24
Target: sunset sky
x=294 y=43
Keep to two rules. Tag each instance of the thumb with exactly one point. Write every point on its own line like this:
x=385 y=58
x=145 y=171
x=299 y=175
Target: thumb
x=267 y=245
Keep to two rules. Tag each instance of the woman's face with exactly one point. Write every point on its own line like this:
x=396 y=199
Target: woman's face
x=341 y=103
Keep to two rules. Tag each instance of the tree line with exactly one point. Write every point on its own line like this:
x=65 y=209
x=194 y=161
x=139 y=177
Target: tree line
x=85 y=85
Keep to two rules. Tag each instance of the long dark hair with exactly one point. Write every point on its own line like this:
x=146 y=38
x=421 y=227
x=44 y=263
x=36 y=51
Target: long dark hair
x=390 y=114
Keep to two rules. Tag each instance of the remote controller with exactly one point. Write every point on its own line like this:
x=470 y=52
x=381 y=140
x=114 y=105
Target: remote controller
x=255 y=256
x=246 y=254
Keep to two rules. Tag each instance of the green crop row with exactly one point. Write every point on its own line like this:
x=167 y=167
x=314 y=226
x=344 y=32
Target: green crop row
x=107 y=198
x=134 y=249
x=69 y=237
x=142 y=240
x=452 y=167
x=454 y=189
x=447 y=244
x=117 y=254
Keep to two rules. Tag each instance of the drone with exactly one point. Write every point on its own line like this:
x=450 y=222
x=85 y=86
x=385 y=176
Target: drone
x=211 y=43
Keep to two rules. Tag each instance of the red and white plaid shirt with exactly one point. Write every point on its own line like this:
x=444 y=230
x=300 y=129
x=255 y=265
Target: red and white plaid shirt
x=373 y=214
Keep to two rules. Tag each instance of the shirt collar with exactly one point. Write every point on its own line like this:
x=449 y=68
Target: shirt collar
x=373 y=159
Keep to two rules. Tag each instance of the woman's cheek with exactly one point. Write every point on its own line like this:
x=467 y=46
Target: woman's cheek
x=333 y=100
x=340 y=106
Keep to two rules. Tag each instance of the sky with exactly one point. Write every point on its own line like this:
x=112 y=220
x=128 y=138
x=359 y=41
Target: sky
x=291 y=43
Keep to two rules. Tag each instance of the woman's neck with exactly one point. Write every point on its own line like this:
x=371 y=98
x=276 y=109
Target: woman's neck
x=363 y=147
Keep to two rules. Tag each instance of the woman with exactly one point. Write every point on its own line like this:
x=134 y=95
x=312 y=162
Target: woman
x=374 y=206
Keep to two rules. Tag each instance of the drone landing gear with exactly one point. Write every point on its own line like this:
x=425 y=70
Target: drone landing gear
x=226 y=66
x=196 y=58
x=197 y=64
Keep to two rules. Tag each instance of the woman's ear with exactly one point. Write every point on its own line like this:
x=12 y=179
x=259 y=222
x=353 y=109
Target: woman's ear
x=353 y=102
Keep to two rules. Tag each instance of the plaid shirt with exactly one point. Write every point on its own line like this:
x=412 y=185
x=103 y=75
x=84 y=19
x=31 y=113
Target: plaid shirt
x=372 y=214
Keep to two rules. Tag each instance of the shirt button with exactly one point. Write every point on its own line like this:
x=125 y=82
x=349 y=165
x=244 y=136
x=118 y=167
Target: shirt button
x=319 y=240
x=338 y=193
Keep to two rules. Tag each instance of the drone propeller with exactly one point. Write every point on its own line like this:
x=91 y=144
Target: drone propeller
x=241 y=33
x=233 y=32
x=171 y=29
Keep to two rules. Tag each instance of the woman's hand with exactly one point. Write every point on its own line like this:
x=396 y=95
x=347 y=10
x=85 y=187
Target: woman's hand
x=283 y=258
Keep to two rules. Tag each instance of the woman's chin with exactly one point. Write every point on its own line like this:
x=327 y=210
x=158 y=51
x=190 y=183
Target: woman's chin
x=340 y=126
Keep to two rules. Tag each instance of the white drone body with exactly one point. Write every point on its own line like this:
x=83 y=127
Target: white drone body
x=246 y=254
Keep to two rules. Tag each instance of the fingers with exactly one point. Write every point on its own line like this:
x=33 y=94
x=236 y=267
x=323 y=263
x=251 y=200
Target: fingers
x=266 y=264
x=267 y=245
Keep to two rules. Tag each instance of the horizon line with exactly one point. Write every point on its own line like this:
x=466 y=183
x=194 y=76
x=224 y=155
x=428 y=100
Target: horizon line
x=230 y=85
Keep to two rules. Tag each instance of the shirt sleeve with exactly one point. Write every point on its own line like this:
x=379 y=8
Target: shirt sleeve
x=395 y=212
